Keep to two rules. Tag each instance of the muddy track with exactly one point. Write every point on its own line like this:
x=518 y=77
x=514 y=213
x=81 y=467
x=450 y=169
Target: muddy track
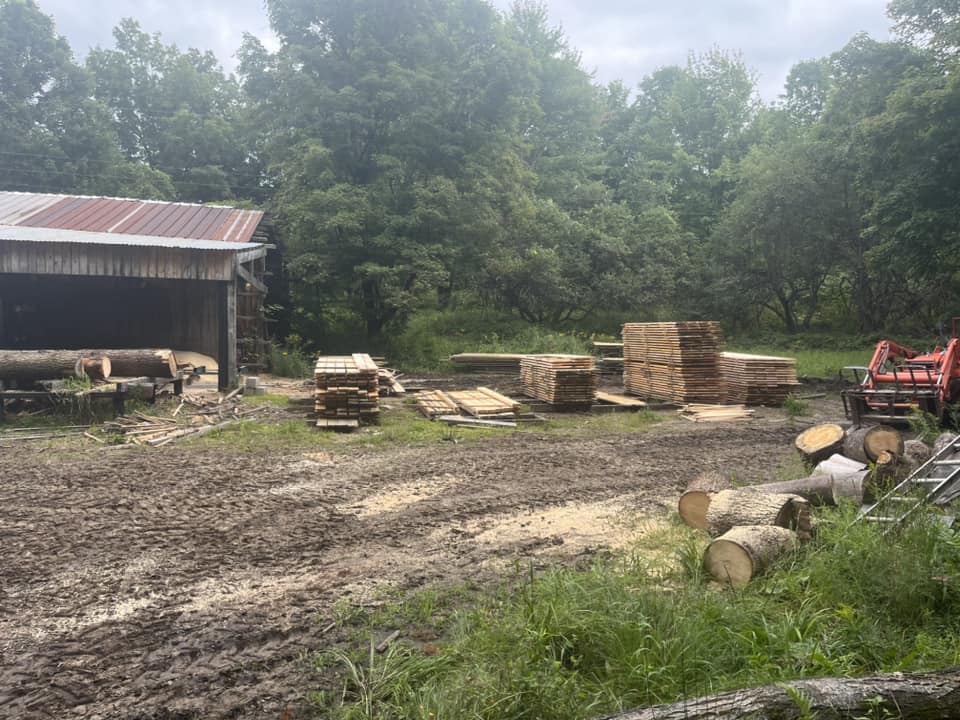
x=193 y=582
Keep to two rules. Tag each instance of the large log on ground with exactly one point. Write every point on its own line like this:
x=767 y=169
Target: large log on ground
x=819 y=489
x=924 y=697
x=730 y=508
x=819 y=442
x=695 y=500
x=838 y=464
x=745 y=551
x=148 y=362
x=866 y=443
x=33 y=365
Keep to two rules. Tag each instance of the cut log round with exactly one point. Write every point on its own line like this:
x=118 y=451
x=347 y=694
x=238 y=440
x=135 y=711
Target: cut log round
x=819 y=442
x=33 y=365
x=152 y=363
x=695 y=500
x=730 y=508
x=745 y=551
x=880 y=439
x=853 y=444
x=933 y=695
x=942 y=441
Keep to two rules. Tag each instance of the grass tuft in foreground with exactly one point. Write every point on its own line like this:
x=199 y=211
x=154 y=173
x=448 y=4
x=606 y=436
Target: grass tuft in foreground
x=635 y=632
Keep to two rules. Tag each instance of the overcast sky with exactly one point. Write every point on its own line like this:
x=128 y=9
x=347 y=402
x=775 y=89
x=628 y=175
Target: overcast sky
x=619 y=39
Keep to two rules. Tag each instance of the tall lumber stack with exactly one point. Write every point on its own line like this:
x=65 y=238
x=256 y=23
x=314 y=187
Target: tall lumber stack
x=676 y=361
x=758 y=379
x=347 y=388
x=560 y=379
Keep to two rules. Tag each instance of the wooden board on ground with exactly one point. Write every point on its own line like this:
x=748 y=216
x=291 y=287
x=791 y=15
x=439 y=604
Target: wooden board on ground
x=621 y=400
x=714 y=413
x=460 y=420
x=337 y=423
x=484 y=403
x=432 y=403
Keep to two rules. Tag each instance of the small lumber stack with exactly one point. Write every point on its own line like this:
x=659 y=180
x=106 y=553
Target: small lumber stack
x=484 y=403
x=488 y=362
x=758 y=379
x=714 y=413
x=347 y=390
x=674 y=361
x=560 y=379
x=433 y=403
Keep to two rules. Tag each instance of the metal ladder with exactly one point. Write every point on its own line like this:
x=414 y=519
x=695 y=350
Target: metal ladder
x=925 y=485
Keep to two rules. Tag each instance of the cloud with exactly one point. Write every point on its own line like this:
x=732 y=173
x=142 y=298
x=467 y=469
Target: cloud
x=619 y=39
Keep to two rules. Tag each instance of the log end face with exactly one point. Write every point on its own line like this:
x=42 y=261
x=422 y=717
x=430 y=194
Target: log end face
x=729 y=563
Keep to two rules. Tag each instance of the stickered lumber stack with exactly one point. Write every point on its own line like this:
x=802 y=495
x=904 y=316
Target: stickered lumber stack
x=676 y=361
x=758 y=379
x=560 y=379
x=488 y=362
x=347 y=388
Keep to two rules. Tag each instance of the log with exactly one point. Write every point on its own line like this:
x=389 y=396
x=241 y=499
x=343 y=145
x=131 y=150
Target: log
x=866 y=443
x=942 y=441
x=838 y=464
x=927 y=696
x=819 y=489
x=730 y=508
x=33 y=365
x=917 y=452
x=745 y=551
x=695 y=500
x=151 y=363
x=819 y=442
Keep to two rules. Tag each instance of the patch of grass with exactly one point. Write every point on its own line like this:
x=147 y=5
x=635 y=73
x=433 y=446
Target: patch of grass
x=795 y=407
x=925 y=425
x=582 y=643
x=595 y=425
x=280 y=401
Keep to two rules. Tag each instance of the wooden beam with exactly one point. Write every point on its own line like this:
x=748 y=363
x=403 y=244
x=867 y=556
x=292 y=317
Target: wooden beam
x=249 y=277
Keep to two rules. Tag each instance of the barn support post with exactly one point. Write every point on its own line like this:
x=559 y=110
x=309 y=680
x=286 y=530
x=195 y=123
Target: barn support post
x=227 y=351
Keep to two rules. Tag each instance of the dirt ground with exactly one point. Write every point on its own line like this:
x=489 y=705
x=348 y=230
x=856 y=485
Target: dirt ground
x=193 y=581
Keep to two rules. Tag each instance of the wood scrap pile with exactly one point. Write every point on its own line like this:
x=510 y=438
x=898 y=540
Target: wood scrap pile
x=389 y=382
x=488 y=362
x=560 y=379
x=714 y=413
x=141 y=429
x=758 y=379
x=676 y=361
x=347 y=390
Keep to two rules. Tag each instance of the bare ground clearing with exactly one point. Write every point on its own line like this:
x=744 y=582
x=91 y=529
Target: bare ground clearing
x=193 y=581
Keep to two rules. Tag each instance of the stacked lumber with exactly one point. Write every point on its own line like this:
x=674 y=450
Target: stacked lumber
x=714 y=413
x=758 y=379
x=677 y=361
x=560 y=379
x=488 y=362
x=347 y=390
x=484 y=403
x=433 y=403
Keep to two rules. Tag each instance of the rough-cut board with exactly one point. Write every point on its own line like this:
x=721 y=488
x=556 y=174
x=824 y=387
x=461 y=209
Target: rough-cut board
x=484 y=403
x=758 y=379
x=347 y=388
x=740 y=554
x=819 y=442
x=435 y=402
x=460 y=420
x=492 y=362
x=714 y=413
x=674 y=361
x=621 y=400
x=560 y=379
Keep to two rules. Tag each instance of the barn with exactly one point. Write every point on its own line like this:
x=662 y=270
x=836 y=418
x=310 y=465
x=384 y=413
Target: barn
x=81 y=272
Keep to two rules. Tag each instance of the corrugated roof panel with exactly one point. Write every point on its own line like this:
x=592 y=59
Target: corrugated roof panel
x=59 y=235
x=125 y=216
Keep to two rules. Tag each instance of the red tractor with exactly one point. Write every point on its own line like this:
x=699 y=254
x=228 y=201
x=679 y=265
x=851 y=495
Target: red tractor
x=900 y=380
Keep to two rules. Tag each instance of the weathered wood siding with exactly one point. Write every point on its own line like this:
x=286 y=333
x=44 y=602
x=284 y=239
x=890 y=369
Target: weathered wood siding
x=127 y=261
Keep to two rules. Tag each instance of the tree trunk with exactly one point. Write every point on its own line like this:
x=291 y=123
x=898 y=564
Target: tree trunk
x=819 y=442
x=33 y=365
x=820 y=489
x=153 y=363
x=866 y=443
x=838 y=464
x=745 y=551
x=730 y=508
x=919 y=697
x=695 y=500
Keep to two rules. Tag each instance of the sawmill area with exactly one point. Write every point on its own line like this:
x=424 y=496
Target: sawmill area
x=197 y=579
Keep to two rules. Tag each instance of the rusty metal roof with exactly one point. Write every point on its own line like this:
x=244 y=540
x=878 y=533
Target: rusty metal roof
x=56 y=235
x=118 y=216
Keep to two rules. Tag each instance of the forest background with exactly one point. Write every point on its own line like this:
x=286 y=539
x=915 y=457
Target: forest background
x=446 y=177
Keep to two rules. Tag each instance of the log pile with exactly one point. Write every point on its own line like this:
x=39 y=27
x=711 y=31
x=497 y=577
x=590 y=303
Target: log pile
x=347 y=389
x=488 y=362
x=675 y=361
x=758 y=379
x=560 y=379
